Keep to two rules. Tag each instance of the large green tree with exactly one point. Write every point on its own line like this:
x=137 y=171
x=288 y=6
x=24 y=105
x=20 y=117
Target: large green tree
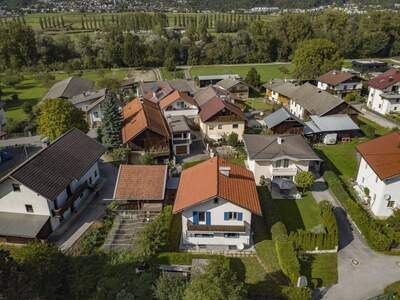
x=57 y=116
x=170 y=287
x=315 y=57
x=112 y=123
x=253 y=78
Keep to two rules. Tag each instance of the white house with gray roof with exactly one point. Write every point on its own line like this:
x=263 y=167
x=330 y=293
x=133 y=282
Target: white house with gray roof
x=277 y=157
x=68 y=88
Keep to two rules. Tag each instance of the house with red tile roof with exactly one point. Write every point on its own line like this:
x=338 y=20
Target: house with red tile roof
x=378 y=177
x=216 y=199
x=340 y=82
x=144 y=128
x=384 y=92
x=179 y=104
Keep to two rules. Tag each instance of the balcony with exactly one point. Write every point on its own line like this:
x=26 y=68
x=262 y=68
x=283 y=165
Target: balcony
x=71 y=200
x=216 y=228
x=181 y=141
x=284 y=171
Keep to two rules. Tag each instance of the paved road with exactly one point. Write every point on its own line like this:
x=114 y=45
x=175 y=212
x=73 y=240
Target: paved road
x=374 y=270
x=30 y=140
x=374 y=117
x=93 y=211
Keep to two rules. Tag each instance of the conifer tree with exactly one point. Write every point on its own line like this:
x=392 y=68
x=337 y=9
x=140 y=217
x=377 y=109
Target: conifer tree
x=112 y=123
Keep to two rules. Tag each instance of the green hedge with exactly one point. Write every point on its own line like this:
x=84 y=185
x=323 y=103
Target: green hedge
x=295 y=293
x=305 y=240
x=377 y=236
x=278 y=231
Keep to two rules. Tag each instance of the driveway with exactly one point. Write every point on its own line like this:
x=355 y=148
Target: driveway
x=29 y=140
x=363 y=273
x=374 y=117
x=93 y=211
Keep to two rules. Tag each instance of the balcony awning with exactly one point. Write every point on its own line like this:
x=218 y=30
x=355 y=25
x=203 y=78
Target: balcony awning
x=283 y=183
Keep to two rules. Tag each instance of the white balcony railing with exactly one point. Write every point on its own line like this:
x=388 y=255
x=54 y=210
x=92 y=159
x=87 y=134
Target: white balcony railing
x=284 y=171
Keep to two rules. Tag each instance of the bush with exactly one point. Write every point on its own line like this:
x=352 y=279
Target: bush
x=393 y=288
x=287 y=259
x=368 y=131
x=233 y=139
x=279 y=231
x=295 y=293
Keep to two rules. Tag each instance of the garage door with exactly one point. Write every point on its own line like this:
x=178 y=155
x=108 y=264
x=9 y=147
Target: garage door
x=181 y=150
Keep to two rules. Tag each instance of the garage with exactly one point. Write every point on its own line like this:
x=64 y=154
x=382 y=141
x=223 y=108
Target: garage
x=181 y=150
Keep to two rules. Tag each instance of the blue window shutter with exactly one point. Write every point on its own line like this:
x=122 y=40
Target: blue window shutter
x=195 y=217
x=208 y=218
x=240 y=216
x=226 y=216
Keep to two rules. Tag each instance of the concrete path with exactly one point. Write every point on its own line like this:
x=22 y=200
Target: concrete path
x=374 y=117
x=29 y=140
x=158 y=74
x=94 y=211
x=363 y=273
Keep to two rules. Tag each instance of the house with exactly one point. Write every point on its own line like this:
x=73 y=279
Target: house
x=180 y=135
x=341 y=126
x=277 y=157
x=144 y=128
x=216 y=199
x=141 y=187
x=67 y=88
x=157 y=90
x=280 y=91
x=43 y=192
x=309 y=100
x=237 y=88
x=378 y=177
x=207 y=80
x=340 y=83
x=91 y=104
x=179 y=103
x=220 y=118
x=203 y=95
x=384 y=92
x=283 y=122
x=369 y=66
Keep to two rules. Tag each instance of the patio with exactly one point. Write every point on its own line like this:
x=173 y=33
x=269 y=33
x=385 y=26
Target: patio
x=284 y=189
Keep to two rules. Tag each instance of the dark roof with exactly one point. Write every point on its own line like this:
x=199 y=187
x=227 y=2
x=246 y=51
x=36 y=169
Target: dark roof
x=280 y=116
x=215 y=105
x=69 y=87
x=314 y=100
x=51 y=170
x=335 y=77
x=266 y=147
x=385 y=80
x=282 y=87
x=204 y=95
x=21 y=225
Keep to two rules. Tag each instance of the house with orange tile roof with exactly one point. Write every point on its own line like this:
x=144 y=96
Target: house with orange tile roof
x=141 y=187
x=145 y=129
x=378 y=177
x=216 y=199
x=179 y=104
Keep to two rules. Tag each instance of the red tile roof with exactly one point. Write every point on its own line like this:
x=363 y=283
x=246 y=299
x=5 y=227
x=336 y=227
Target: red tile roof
x=141 y=182
x=215 y=105
x=176 y=96
x=335 y=77
x=204 y=181
x=383 y=155
x=385 y=80
x=139 y=115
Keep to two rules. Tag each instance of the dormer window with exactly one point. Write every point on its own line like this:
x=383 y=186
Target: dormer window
x=16 y=187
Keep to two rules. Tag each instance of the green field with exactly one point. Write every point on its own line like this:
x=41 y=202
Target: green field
x=33 y=90
x=266 y=71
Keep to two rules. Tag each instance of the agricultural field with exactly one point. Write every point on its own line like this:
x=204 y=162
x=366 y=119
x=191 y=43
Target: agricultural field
x=266 y=71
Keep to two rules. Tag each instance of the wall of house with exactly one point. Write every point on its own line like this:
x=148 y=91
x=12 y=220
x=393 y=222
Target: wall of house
x=211 y=130
x=181 y=108
x=217 y=211
x=13 y=201
x=366 y=177
x=296 y=109
x=267 y=169
x=382 y=106
x=341 y=87
x=95 y=116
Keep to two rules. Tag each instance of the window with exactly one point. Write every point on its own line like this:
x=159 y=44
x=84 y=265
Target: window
x=230 y=215
x=203 y=235
x=90 y=180
x=345 y=87
x=390 y=203
x=286 y=163
x=376 y=179
x=16 y=187
x=219 y=126
x=231 y=235
x=202 y=216
x=282 y=163
x=235 y=126
x=278 y=164
x=232 y=247
x=215 y=200
x=29 y=208
x=95 y=114
x=95 y=173
x=211 y=127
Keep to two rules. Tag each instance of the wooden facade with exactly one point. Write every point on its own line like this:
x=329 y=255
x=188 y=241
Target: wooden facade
x=150 y=141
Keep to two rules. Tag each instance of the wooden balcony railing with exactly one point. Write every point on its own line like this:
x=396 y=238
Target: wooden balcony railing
x=71 y=199
x=216 y=228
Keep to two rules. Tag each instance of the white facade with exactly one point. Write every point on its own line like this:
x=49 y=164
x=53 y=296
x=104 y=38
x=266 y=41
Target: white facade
x=384 y=194
x=296 y=109
x=18 y=198
x=280 y=167
x=383 y=105
x=94 y=115
x=181 y=108
x=218 y=209
x=180 y=141
x=341 y=88
x=219 y=130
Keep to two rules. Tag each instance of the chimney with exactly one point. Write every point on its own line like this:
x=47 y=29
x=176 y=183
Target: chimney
x=280 y=140
x=224 y=170
x=46 y=142
x=141 y=99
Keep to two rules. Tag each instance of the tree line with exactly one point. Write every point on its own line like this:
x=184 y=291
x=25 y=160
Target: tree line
x=376 y=34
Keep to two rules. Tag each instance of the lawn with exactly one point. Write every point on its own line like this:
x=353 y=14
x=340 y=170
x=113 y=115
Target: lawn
x=298 y=214
x=379 y=130
x=266 y=71
x=320 y=269
x=168 y=75
x=31 y=89
x=258 y=104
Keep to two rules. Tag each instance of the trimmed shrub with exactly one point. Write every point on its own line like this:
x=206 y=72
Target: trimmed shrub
x=279 y=232
x=287 y=259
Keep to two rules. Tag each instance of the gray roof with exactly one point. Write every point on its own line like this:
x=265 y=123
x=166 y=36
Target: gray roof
x=314 y=100
x=182 y=85
x=282 y=87
x=266 y=147
x=278 y=117
x=205 y=94
x=88 y=96
x=167 y=86
x=390 y=95
x=339 y=122
x=178 y=124
x=51 y=170
x=21 y=225
x=219 y=77
x=228 y=83
x=69 y=87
